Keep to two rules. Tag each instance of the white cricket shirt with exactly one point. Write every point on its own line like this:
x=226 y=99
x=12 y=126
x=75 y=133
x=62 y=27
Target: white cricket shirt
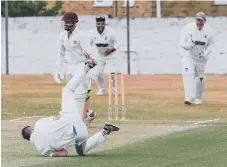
x=50 y=136
x=203 y=39
x=107 y=39
x=71 y=48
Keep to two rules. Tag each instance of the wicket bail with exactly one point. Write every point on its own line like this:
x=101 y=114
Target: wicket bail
x=113 y=84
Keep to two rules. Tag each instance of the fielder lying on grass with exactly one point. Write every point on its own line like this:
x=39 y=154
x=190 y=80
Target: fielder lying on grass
x=52 y=136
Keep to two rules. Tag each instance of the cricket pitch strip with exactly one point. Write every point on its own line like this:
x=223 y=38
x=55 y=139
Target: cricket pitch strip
x=13 y=148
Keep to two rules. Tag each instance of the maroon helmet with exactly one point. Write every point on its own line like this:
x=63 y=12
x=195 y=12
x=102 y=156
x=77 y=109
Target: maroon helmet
x=70 y=19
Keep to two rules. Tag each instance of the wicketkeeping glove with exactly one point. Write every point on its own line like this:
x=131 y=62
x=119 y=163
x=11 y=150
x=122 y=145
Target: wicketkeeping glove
x=203 y=56
x=189 y=45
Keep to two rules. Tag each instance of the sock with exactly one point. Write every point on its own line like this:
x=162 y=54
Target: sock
x=94 y=141
x=104 y=132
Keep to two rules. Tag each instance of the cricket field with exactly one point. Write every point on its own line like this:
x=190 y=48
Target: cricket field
x=159 y=131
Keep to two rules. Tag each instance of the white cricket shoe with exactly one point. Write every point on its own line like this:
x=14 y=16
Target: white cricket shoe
x=101 y=92
x=198 y=101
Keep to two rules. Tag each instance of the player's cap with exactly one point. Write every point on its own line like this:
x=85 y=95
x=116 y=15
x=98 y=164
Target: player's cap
x=201 y=16
x=100 y=18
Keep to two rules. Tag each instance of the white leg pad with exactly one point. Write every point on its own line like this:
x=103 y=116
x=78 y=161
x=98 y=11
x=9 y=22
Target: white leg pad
x=199 y=87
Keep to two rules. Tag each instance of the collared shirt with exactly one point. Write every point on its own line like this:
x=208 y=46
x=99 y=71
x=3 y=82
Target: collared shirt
x=203 y=40
x=72 y=47
x=107 y=39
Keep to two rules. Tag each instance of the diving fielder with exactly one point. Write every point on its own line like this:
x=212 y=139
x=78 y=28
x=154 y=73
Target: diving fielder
x=103 y=38
x=52 y=136
x=197 y=39
x=74 y=46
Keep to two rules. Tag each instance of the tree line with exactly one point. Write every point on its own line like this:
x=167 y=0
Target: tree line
x=30 y=8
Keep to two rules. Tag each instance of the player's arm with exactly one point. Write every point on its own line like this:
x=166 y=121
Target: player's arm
x=185 y=40
x=210 y=46
x=116 y=45
x=115 y=41
x=48 y=152
x=59 y=76
x=62 y=153
x=56 y=117
x=85 y=43
x=61 y=55
x=91 y=38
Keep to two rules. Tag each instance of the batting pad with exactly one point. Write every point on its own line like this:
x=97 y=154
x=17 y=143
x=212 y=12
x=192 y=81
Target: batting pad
x=199 y=87
x=188 y=80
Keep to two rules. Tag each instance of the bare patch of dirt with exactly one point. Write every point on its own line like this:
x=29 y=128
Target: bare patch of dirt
x=156 y=87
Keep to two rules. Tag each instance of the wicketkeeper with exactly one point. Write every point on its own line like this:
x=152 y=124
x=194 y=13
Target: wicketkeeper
x=74 y=48
x=197 y=39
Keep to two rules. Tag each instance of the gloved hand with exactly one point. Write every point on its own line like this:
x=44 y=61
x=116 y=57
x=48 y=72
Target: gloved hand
x=109 y=50
x=203 y=56
x=59 y=76
x=189 y=45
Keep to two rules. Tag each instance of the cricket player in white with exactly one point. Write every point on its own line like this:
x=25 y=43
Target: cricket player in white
x=52 y=136
x=74 y=46
x=197 y=39
x=103 y=38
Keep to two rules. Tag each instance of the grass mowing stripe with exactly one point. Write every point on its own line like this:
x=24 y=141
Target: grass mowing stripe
x=200 y=147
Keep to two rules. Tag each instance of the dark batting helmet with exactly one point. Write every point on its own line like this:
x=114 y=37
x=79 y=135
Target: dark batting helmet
x=70 y=19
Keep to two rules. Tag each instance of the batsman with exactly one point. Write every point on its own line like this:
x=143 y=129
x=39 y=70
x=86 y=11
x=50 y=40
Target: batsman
x=74 y=50
x=197 y=39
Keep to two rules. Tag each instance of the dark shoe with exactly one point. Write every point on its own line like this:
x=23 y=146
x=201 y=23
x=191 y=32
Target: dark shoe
x=110 y=128
x=187 y=102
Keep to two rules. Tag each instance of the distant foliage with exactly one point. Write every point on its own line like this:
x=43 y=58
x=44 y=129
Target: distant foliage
x=30 y=8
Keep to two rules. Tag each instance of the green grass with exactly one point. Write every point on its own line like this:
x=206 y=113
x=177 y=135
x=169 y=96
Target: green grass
x=19 y=105
x=202 y=147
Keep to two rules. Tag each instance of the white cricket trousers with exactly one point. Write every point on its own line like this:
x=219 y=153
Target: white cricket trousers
x=97 y=74
x=193 y=78
x=70 y=108
x=80 y=91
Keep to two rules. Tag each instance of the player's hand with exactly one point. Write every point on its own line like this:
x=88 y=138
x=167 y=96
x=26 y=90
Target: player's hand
x=59 y=76
x=189 y=45
x=109 y=50
x=56 y=118
x=203 y=56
